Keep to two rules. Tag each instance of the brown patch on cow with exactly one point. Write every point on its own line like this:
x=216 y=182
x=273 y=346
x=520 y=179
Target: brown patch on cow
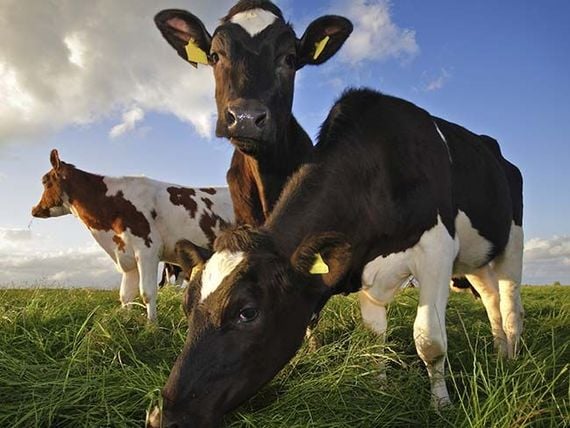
x=208 y=190
x=87 y=194
x=208 y=203
x=119 y=243
x=184 y=197
x=153 y=214
x=208 y=222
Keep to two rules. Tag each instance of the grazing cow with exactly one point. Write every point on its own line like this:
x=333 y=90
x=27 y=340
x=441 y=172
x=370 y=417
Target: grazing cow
x=136 y=220
x=376 y=205
x=254 y=55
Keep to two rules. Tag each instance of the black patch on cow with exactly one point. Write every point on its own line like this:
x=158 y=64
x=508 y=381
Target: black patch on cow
x=153 y=214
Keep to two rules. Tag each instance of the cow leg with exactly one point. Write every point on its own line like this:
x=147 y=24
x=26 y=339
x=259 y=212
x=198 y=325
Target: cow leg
x=508 y=268
x=148 y=270
x=432 y=267
x=129 y=288
x=374 y=317
x=485 y=283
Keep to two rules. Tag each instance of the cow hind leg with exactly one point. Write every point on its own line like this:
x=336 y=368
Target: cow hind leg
x=508 y=268
x=485 y=283
x=129 y=288
x=148 y=287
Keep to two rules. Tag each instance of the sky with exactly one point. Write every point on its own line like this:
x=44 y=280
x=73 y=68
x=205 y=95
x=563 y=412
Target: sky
x=95 y=80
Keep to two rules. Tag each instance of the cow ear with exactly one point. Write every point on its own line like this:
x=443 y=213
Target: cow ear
x=190 y=256
x=54 y=159
x=326 y=255
x=185 y=33
x=322 y=39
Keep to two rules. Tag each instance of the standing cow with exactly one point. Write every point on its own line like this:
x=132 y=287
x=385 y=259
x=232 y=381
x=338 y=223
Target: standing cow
x=255 y=55
x=375 y=206
x=136 y=220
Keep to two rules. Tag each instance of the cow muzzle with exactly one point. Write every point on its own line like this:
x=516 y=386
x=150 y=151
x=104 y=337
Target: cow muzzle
x=247 y=121
x=40 y=212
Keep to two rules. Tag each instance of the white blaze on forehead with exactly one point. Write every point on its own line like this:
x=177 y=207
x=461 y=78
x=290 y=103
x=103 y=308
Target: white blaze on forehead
x=254 y=21
x=220 y=265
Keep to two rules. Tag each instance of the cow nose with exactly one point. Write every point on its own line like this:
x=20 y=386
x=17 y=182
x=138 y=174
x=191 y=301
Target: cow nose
x=247 y=119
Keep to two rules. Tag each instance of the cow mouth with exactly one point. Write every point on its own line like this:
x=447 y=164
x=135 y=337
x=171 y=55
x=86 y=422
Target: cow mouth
x=248 y=146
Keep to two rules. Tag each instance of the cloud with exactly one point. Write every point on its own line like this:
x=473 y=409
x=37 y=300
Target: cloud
x=438 y=82
x=28 y=260
x=130 y=119
x=375 y=35
x=69 y=63
x=547 y=260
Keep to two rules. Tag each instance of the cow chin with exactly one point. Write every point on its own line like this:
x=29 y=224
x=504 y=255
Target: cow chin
x=248 y=146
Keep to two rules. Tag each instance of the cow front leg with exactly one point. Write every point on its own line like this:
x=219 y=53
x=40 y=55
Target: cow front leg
x=129 y=288
x=148 y=286
x=433 y=263
x=374 y=317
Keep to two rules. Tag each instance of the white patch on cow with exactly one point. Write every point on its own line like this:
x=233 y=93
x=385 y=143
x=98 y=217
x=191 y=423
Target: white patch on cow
x=444 y=141
x=254 y=21
x=220 y=265
x=59 y=211
x=474 y=250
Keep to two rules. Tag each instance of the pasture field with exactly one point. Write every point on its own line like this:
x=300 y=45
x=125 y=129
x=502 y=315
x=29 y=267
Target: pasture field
x=75 y=359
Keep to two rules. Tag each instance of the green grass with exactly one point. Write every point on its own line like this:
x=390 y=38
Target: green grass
x=74 y=359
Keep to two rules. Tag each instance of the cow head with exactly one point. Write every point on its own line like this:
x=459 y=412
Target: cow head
x=248 y=308
x=53 y=200
x=254 y=54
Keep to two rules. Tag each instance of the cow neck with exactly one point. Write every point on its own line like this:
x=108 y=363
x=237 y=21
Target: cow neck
x=270 y=174
x=85 y=192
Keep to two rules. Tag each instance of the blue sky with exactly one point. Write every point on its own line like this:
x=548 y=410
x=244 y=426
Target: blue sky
x=73 y=72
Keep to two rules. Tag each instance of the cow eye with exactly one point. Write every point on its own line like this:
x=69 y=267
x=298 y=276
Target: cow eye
x=247 y=315
x=214 y=58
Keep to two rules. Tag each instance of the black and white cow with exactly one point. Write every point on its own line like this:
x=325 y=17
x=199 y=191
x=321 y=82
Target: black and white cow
x=255 y=54
x=379 y=202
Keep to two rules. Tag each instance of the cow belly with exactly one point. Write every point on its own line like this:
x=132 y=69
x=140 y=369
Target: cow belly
x=474 y=249
x=383 y=276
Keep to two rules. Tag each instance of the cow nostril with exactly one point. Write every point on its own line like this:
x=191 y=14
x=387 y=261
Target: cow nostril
x=231 y=118
x=260 y=120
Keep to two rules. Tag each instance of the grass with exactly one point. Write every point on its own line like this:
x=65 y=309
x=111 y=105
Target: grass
x=74 y=359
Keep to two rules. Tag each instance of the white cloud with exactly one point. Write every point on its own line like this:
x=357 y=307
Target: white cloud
x=375 y=35
x=130 y=119
x=64 y=63
x=547 y=260
x=438 y=82
x=28 y=259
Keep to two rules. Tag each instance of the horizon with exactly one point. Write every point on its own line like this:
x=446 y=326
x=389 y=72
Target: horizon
x=97 y=81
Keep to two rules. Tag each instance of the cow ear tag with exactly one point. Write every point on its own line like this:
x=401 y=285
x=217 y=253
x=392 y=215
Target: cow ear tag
x=320 y=47
x=195 y=54
x=319 y=267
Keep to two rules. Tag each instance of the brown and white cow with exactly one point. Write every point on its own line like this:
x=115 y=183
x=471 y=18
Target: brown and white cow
x=255 y=54
x=136 y=220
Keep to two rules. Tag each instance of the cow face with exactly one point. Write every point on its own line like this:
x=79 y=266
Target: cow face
x=254 y=54
x=53 y=200
x=248 y=308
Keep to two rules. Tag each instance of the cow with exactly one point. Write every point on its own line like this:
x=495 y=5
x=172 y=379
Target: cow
x=255 y=55
x=136 y=220
x=375 y=205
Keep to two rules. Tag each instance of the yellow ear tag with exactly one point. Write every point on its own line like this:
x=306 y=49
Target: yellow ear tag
x=195 y=54
x=320 y=47
x=320 y=267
